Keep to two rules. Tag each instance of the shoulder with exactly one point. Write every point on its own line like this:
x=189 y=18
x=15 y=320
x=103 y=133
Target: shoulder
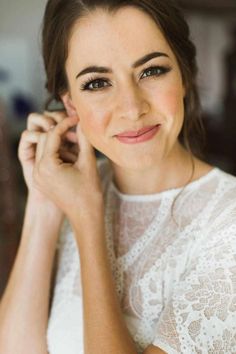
x=225 y=193
x=220 y=192
x=220 y=213
x=217 y=251
x=208 y=202
x=227 y=178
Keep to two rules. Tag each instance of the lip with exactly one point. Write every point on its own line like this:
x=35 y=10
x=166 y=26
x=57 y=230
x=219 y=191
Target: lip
x=132 y=134
x=140 y=138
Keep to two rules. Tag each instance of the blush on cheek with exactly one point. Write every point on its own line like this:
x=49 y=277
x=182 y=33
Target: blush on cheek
x=94 y=128
x=98 y=119
x=93 y=123
x=173 y=101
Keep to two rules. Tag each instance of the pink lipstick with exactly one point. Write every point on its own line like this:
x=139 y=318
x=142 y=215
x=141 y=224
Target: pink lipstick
x=142 y=135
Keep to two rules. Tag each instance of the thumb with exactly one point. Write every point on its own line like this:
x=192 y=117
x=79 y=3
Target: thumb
x=86 y=151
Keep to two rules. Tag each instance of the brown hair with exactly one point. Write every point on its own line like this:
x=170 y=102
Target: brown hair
x=60 y=17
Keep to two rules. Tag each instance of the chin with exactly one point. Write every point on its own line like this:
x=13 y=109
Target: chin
x=137 y=163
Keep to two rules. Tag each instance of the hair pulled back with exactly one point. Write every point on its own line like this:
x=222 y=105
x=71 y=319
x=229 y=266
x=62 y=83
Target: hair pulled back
x=60 y=17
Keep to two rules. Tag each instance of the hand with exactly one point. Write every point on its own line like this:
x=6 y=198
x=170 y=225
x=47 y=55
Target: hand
x=37 y=124
x=75 y=187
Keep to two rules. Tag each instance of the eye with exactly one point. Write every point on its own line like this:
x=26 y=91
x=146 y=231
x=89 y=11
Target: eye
x=96 y=83
x=93 y=84
x=156 y=71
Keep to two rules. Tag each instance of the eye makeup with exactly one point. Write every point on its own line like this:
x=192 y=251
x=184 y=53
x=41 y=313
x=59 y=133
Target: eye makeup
x=158 y=70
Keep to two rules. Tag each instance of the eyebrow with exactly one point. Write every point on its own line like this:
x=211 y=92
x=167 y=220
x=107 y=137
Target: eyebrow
x=139 y=62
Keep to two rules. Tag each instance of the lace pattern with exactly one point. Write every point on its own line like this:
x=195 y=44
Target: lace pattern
x=175 y=278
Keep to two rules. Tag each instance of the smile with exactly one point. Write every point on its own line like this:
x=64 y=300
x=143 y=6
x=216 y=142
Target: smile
x=148 y=135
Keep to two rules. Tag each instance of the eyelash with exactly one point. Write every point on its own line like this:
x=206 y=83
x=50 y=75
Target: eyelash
x=92 y=80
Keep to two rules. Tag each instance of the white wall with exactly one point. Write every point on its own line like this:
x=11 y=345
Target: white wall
x=211 y=34
x=20 y=47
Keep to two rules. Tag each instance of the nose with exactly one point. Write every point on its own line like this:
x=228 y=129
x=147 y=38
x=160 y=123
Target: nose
x=131 y=103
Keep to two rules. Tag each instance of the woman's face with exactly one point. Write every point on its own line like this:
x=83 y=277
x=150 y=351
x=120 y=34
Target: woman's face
x=126 y=98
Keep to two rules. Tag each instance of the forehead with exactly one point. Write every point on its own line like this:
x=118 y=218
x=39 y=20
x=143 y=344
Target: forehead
x=102 y=35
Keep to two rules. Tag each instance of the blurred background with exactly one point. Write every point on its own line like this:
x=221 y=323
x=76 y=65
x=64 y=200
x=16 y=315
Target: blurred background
x=22 y=80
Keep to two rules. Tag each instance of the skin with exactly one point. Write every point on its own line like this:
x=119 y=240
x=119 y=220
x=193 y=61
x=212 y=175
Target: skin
x=61 y=181
x=130 y=99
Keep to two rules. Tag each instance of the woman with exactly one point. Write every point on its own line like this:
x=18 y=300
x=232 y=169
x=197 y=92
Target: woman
x=147 y=256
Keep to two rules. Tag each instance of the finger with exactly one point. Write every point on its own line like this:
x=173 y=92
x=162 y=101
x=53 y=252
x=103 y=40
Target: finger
x=71 y=136
x=39 y=122
x=72 y=149
x=26 y=147
x=87 y=153
x=40 y=147
x=66 y=156
x=58 y=116
x=54 y=136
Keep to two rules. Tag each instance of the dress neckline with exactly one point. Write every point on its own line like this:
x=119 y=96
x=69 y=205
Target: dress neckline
x=166 y=193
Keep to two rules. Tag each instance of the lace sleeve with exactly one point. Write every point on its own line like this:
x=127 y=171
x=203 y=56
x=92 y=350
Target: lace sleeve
x=200 y=317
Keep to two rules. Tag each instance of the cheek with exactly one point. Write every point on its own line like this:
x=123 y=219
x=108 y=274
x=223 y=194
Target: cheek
x=92 y=127
x=171 y=102
x=171 y=107
x=93 y=123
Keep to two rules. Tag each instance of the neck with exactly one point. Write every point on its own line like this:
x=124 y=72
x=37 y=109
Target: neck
x=175 y=171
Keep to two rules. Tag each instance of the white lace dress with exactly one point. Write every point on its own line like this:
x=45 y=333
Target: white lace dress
x=175 y=273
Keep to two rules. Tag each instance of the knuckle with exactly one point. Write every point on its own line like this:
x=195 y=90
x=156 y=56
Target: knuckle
x=24 y=134
x=31 y=116
x=57 y=116
x=51 y=128
x=49 y=121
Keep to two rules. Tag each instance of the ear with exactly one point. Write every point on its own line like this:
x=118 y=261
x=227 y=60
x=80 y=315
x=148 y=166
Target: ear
x=70 y=109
